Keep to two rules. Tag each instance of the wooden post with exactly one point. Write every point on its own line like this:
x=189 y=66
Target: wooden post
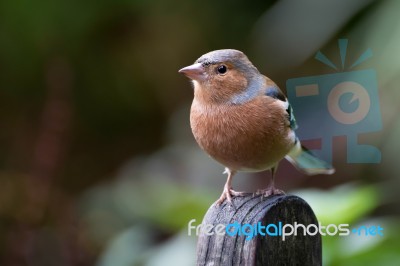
x=268 y=250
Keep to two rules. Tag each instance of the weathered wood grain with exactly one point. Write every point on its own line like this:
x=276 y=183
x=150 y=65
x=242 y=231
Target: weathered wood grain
x=260 y=250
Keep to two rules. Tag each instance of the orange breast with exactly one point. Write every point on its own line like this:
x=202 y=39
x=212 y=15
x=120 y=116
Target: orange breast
x=249 y=137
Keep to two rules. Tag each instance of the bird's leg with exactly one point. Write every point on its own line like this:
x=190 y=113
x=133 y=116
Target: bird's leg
x=228 y=191
x=271 y=190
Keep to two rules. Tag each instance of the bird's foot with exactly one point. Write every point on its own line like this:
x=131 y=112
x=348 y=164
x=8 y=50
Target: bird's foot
x=228 y=193
x=269 y=191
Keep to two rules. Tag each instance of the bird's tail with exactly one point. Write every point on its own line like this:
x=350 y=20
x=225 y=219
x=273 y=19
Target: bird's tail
x=307 y=163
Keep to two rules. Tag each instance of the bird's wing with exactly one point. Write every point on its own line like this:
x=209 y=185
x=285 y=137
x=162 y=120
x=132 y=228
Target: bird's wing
x=273 y=91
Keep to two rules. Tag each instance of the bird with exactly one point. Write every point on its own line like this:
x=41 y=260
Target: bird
x=242 y=119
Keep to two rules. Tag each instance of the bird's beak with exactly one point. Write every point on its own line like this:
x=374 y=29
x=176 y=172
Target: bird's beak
x=195 y=71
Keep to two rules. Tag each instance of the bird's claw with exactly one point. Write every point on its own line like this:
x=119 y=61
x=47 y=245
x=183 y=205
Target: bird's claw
x=228 y=193
x=269 y=191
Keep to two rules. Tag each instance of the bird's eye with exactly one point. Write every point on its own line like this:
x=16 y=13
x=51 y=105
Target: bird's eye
x=221 y=69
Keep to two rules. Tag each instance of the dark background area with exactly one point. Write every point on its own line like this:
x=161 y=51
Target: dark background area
x=97 y=162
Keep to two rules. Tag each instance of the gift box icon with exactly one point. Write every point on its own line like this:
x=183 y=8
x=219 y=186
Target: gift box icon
x=343 y=103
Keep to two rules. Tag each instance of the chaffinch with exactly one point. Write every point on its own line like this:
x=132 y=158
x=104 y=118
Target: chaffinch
x=243 y=120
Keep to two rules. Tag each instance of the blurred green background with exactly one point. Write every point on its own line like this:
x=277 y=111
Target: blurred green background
x=97 y=162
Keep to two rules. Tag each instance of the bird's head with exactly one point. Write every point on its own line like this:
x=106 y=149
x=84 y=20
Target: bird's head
x=219 y=76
